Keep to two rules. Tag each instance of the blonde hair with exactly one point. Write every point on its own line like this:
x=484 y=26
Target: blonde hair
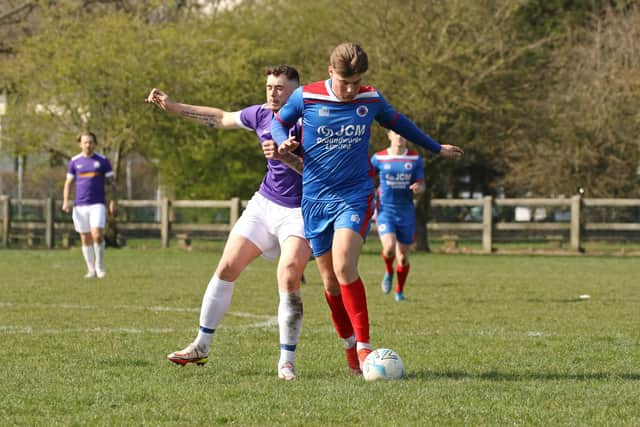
x=348 y=59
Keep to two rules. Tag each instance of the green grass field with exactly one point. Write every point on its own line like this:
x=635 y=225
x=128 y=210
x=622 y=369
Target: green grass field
x=486 y=340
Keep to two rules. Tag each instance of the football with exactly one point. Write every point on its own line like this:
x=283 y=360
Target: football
x=383 y=364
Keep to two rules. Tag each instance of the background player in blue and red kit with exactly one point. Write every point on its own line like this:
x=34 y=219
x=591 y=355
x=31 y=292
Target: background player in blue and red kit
x=337 y=179
x=91 y=172
x=401 y=175
x=270 y=225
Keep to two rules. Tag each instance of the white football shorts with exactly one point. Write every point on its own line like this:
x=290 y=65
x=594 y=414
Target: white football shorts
x=268 y=224
x=86 y=217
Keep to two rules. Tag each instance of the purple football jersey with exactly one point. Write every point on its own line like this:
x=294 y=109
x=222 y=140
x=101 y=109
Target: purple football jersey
x=89 y=174
x=281 y=184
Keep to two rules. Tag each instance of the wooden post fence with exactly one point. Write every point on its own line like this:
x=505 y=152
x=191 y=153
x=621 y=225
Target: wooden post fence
x=165 y=225
x=487 y=224
x=6 y=219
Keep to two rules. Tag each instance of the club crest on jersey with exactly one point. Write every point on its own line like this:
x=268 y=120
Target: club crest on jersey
x=382 y=227
x=387 y=167
x=408 y=166
x=323 y=112
x=96 y=165
x=355 y=218
x=362 y=110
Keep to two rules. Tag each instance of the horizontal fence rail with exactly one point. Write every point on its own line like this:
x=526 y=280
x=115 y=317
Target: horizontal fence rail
x=44 y=218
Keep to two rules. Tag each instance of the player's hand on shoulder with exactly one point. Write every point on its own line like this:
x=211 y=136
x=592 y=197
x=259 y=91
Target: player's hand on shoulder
x=451 y=151
x=289 y=145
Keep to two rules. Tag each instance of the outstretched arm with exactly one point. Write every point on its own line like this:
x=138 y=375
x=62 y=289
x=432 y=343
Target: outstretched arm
x=210 y=116
x=407 y=129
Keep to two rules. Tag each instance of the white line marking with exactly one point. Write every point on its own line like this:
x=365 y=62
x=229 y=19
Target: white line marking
x=264 y=321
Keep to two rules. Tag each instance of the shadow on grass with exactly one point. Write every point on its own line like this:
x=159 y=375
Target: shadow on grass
x=503 y=376
x=561 y=301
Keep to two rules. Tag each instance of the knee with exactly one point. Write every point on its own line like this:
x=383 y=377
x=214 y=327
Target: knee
x=387 y=252
x=289 y=276
x=227 y=271
x=403 y=259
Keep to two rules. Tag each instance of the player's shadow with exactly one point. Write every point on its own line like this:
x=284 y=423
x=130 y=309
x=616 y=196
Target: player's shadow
x=515 y=376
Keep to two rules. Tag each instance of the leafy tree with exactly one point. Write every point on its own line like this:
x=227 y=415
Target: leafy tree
x=71 y=77
x=593 y=107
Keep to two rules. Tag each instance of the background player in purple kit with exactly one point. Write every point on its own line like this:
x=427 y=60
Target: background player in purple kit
x=401 y=175
x=337 y=179
x=91 y=171
x=270 y=225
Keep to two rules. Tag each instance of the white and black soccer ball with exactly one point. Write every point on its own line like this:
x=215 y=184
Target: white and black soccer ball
x=383 y=364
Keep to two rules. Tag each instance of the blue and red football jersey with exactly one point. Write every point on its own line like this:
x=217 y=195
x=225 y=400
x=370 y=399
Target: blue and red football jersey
x=396 y=174
x=335 y=139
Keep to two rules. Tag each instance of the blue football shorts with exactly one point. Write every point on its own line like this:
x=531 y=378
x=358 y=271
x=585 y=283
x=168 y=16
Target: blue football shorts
x=322 y=218
x=400 y=221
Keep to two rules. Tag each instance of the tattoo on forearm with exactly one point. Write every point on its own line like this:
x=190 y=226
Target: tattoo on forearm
x=294 y=162
x=208 y=119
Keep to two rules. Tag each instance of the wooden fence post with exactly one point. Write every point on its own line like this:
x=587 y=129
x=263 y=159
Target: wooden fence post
x=164 y=222
x=6 y=219
x=576 y=202
x=235 y=211
x=48 y=219
x=487 y=224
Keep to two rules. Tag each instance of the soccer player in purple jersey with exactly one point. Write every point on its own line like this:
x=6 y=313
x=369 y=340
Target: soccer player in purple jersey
x=91 y=171
x=401 y=175
x=270 y=225
x=337 y=179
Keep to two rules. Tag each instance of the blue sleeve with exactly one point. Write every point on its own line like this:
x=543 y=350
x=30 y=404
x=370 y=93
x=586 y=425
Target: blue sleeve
x=284 y=119
x=407 y=129
x=420 y=169
x=374 y=163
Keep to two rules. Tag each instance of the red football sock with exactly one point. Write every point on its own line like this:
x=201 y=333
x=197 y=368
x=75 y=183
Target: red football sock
x=339 y=315
x=403 y=272
x=388 y=263
x=355 y=302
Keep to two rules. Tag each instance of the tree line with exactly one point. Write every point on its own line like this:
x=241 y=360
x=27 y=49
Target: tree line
x=543 y=95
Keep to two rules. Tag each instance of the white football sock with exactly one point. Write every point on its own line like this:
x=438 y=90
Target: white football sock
x=290 y=324
x=215 y=304
x=89 y=257
x=362 y=345
x=98 y=249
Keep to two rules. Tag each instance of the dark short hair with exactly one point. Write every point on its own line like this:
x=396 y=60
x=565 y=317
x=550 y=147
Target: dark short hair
x=91 y=134
x=290 y=72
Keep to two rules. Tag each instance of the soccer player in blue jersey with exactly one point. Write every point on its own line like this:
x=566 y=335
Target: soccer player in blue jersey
x=270 y=225
x=401 y=175
x=337 y=179
x=91 y=172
